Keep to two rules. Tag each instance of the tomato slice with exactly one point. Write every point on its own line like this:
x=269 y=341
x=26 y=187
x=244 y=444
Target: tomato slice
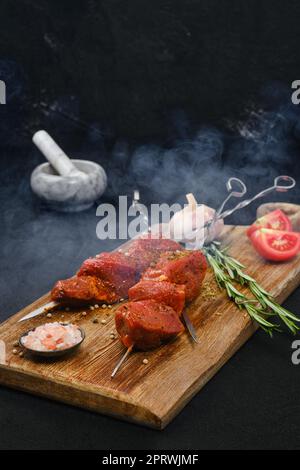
x=276 y=245
x=276 y=220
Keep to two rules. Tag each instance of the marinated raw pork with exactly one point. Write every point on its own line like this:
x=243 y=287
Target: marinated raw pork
x=184 y=267
x=146 y=324
x=165 y=292
x=115 y=268
x=146 y=250
x=83 y=290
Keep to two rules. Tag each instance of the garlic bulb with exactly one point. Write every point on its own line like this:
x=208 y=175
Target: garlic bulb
x=187 y=225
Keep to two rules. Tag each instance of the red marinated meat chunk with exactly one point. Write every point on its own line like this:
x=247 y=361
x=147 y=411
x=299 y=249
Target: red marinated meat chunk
x=146 y=250
x=83 y=290
x=115 y=268
x=163 y=292
x=146 y=324
x=185 y=267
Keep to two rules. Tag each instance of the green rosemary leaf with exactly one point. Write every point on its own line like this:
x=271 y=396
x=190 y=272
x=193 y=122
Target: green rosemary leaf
x=281 y=311
x=227 y=270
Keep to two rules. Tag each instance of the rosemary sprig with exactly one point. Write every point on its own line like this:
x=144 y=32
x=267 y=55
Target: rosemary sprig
x=262 y=307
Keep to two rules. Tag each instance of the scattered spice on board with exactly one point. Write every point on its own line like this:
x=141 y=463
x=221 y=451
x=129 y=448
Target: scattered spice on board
x=209 y=291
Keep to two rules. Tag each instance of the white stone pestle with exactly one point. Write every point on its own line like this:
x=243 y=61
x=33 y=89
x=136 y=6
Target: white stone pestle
x=55 y=155
x=66 y=185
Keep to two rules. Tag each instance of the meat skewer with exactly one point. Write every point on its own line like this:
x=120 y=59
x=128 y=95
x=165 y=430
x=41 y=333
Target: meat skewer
x=139 y=253
x=117 y=272
x=145 y=324
x=108 y=277
x=152 y=315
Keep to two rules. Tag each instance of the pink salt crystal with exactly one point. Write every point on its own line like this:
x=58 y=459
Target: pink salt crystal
x=52 y=336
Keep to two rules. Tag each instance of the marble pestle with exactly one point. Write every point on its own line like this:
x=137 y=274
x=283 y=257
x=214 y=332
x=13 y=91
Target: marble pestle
x=55 y=155
x=66 y=185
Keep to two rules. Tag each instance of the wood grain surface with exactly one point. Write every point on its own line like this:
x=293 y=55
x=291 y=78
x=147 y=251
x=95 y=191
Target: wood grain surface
x=154 y=393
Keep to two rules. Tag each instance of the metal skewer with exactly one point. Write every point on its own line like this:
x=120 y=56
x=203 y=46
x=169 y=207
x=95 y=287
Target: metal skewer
x=136 y=204
x=123 y=359
x=43 y=309
x=190 y=327
x=282 y=183
x=191 y=199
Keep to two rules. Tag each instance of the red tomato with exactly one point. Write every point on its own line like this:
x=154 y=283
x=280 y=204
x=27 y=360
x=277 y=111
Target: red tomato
x=276 y=245
x=277 y=220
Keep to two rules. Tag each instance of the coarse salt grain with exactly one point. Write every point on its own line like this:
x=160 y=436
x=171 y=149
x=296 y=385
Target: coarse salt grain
x=103 y=322
x=145 y=361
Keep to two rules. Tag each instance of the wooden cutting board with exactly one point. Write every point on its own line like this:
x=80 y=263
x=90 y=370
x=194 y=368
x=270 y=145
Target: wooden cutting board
x=149 y=394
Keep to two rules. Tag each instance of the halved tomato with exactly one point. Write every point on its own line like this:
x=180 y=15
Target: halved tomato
x=276 y=220
x=276 y=245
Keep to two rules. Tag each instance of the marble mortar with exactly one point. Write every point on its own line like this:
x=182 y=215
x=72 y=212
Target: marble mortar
x=66 y=185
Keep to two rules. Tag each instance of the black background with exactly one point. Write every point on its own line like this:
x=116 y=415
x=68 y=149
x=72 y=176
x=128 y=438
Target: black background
x=120 y=74
x=132 y=63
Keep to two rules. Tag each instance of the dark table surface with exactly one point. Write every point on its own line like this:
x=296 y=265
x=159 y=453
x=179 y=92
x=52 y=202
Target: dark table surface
x=253 y=402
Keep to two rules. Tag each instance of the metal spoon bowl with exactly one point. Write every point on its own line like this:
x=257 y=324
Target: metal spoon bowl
x=56 y=352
